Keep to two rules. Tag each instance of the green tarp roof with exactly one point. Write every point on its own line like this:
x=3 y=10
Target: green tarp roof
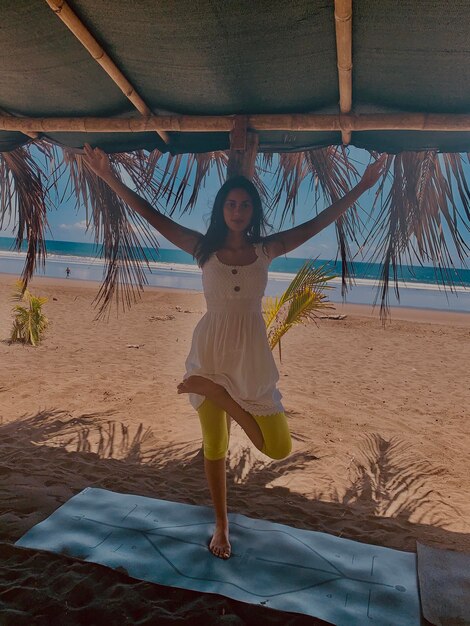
x=205 y=57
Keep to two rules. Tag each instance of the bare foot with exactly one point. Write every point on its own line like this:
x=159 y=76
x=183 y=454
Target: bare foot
x=200 y=385
x=220 y=545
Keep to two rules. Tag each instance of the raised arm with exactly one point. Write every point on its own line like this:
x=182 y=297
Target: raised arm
x=287 y=240
x=180 y=236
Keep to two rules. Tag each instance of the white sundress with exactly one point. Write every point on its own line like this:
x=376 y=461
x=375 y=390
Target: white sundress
x=230 y=345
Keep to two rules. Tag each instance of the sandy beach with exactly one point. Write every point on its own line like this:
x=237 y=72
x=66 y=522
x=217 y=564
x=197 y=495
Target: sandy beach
x=379 y=418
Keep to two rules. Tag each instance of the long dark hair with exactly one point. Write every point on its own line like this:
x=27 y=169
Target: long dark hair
x=216 y=234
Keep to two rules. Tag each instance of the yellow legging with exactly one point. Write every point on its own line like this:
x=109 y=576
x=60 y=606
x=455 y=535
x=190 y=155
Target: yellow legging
x=277 y=440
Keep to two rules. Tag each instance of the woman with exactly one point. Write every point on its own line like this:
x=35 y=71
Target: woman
x=230 y=369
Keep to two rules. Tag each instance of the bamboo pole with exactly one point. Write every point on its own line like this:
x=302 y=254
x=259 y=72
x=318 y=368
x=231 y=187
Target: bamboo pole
x=242 y=162
x=367 y=121
x=343 y=26
x=74 y=24
x=119 y=124
x=32 y=134
x=260 y=122
x=243 y=149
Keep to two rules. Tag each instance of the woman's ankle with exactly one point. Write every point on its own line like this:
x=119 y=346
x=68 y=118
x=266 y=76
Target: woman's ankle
x=221 y=522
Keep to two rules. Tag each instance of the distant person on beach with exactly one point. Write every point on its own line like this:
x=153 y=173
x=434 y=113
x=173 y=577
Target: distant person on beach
x=230 y=370
x=67 y=271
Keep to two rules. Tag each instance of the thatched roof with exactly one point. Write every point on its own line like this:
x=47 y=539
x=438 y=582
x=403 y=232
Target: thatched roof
x=225 y=58
x=307 y=75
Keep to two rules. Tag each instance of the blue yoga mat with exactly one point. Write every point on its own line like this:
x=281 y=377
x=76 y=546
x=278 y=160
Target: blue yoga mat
x=337 y=580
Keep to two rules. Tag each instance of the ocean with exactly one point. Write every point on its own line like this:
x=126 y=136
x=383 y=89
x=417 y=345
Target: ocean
x=419 y=286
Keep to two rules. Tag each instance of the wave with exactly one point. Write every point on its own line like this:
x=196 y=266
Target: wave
x=188 y=269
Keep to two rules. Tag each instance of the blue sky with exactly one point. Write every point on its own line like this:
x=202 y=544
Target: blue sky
x=68 y=224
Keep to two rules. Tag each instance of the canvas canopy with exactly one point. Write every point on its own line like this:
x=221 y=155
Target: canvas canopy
x=222 y=82
x=226 y=58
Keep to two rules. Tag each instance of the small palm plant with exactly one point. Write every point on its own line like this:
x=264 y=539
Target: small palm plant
x=29 y=322
x=301 y=301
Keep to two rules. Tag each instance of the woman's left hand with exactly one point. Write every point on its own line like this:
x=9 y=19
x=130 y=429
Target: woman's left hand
x=373 y=172
x=97 y=161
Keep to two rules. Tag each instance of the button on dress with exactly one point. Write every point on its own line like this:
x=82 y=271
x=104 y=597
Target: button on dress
x=230 y=344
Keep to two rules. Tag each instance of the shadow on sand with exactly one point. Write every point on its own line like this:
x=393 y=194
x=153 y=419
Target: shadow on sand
x=47 y=458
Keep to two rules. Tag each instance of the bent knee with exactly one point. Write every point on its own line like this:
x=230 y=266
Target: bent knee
x=279 y=449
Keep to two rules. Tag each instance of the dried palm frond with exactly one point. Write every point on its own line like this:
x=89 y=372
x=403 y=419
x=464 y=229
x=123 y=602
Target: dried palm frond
x=299 y=303
x=329 y=171
x=180 y=172
x=187 y=173
x=121 y=230
x=410 y=222
x=291 y=171
x=22 y=193
x=423 y=214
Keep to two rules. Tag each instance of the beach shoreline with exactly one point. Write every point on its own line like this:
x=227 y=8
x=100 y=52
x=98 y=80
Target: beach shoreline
x=419 y=287
x=378 y=415
x=416 y=314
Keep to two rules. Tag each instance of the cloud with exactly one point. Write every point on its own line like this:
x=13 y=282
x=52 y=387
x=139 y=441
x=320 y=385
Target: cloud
x=76 y=226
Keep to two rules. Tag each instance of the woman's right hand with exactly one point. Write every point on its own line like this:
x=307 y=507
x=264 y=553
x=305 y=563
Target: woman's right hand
x=97 y=161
